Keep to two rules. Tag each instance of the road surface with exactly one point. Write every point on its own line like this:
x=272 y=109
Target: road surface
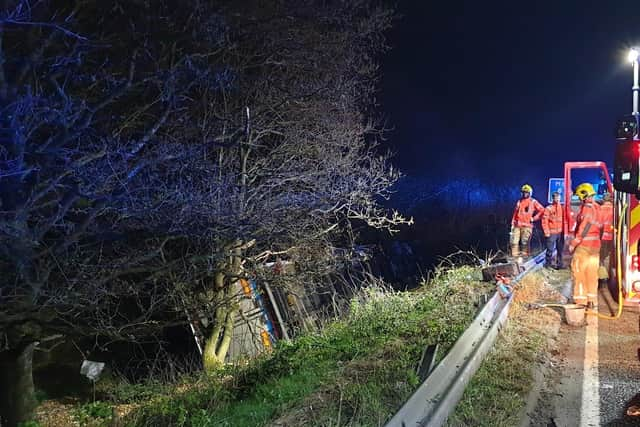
x=592 y=373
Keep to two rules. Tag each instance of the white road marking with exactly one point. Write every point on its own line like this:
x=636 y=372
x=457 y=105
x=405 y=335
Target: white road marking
x=590 y=408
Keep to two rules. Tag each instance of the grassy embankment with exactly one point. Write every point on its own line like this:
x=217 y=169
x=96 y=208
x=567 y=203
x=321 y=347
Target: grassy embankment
x=497 y=393
x=357 y=371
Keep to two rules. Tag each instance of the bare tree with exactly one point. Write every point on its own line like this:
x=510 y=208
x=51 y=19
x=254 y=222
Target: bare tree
x=305 y=159
x=148 y=147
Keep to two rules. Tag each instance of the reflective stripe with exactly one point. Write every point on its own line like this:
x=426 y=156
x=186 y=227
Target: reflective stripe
x=590 y=238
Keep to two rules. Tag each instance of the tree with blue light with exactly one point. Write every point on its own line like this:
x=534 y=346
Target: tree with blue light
x=151 y=155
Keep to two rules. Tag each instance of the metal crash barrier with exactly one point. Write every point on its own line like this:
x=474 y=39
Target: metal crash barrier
x=436 y=398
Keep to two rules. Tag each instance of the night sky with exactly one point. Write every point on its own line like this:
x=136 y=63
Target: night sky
x=506 y=91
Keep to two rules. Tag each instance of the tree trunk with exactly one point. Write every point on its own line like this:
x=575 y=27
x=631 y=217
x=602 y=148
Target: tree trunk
x=17 y=397
x=223 y=348
x=232 y=309
x=216 y=349
x=217 y=346
x=210 y=360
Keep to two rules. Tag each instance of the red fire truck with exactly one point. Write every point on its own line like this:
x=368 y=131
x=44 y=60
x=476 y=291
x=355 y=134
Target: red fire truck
x=624 y=272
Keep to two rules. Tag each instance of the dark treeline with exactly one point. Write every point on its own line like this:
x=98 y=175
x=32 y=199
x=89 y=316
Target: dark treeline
x=462 y=214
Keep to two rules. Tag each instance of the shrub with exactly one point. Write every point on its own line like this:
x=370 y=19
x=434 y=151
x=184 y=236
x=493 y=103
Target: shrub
x=94 y=414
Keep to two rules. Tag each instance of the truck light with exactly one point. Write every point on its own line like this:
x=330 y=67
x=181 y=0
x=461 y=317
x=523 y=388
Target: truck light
x=634 y=263
x=635 y=286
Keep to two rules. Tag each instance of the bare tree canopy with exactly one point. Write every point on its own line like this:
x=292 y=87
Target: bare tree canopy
x=145 y=145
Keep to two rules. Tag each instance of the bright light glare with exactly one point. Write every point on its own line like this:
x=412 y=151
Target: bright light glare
x=633 y=55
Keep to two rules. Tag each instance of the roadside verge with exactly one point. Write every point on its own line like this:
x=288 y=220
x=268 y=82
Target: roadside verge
x=498 y=393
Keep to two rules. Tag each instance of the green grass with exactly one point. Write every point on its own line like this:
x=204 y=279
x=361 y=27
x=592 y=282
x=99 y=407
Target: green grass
x=496 y=394
x=498 y=391
x=94 y=414
x=267 y=399
x=357 y=371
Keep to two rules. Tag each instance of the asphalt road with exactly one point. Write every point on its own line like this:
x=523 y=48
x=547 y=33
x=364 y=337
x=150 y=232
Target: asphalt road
x=619 y=368
x=592 y=372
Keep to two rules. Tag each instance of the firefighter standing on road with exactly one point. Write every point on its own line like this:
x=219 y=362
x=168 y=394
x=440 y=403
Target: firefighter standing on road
x=585 y=248
x=606 y=244
x=552 y=227
x=526 y=212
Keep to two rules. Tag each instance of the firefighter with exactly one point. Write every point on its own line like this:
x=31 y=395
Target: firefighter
x=606 y=243
x=585 y=248
x=552 y=227
x=526 y=212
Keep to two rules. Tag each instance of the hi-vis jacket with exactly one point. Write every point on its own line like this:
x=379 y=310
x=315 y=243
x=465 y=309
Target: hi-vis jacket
x=606 y=218
x=523 y=215
x=588 y=227
x=552 y=219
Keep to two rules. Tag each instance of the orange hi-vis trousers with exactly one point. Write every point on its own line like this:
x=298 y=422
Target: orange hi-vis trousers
x=584 y=272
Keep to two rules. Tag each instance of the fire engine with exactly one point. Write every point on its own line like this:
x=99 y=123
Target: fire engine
x=624 y=274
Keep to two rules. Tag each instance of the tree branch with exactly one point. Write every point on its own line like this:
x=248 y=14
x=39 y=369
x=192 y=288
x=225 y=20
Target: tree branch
x=45 y=25
x=3 y=78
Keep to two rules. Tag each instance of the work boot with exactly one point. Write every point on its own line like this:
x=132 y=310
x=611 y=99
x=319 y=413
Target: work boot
x=592 y=307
